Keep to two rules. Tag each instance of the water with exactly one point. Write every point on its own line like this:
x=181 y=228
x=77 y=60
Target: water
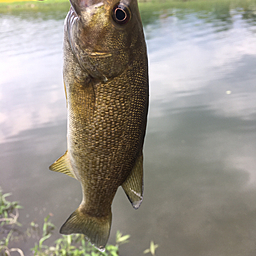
x=200 y=164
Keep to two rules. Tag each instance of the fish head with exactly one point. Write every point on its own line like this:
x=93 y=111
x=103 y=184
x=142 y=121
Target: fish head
x=103 y=35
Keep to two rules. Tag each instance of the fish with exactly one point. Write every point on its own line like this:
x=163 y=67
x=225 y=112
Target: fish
x=105 y=74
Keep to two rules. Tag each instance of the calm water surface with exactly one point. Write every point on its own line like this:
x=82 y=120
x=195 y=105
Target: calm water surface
x=200 y=149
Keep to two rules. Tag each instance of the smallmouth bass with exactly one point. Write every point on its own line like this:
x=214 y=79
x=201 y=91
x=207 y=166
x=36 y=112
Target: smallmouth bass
x=106 y=85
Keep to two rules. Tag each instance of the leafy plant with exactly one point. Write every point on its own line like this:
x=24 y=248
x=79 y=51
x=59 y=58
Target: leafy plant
x=70 y=245
x=152 y=248
x=8 y=221
x=73 y=245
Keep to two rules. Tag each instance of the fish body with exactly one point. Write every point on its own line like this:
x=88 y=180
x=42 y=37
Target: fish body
x=106 y=86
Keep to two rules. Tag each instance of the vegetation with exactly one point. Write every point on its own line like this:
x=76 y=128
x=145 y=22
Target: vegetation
x=14 y=6
x=150 y=10
x=70 y=245
x=31 y=6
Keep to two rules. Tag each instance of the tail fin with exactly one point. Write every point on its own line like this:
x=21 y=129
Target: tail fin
x=95 y=229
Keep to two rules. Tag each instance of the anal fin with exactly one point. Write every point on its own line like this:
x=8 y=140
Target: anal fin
x=63 y=165
x=133 y=185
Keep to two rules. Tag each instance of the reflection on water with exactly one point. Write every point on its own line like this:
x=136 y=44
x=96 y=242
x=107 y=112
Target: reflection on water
x=31 y=60
x=200 y=193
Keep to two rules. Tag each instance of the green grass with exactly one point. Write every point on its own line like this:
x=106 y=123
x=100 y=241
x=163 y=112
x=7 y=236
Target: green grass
x=150 y=9
x=34 y=6
x=50 y=5
x=70 y=245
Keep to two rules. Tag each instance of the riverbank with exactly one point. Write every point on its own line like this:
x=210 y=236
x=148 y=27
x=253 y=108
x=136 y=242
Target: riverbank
x=12 y=6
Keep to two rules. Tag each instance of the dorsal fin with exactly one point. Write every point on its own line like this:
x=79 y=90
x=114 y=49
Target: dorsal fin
x=133 y=185
x=63 y=165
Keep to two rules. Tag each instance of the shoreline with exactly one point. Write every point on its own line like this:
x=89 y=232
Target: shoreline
x=34 y=6
x=13 y=6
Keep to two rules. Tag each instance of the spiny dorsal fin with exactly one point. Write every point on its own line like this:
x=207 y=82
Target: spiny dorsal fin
x=62 y=165
x=133 y=185
x=95 y=229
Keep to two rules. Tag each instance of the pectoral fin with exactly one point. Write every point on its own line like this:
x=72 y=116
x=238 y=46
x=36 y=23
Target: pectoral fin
x=62 y=165
x=133 y=185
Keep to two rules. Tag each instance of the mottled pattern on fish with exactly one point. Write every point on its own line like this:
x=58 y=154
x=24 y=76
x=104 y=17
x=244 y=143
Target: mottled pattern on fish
x=106 y=87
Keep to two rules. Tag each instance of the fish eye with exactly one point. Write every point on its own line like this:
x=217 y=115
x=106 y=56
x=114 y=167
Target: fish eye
x=121 y=14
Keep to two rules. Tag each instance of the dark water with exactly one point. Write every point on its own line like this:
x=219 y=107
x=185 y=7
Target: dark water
x=200 y=150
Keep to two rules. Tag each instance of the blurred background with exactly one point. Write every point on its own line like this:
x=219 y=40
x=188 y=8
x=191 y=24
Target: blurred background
x=200 y=148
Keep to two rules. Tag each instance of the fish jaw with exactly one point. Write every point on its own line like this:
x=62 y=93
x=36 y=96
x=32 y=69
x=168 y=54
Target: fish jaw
x=73 y=26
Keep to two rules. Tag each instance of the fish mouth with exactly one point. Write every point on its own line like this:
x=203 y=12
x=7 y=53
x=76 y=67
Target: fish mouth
x=71 y=17
x=87 y=58
x=82 y=5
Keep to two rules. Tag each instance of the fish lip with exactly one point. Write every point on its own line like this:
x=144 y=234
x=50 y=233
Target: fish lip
x=70 y=20
x=77 y=8
x=73 y=12
x=84 y=6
